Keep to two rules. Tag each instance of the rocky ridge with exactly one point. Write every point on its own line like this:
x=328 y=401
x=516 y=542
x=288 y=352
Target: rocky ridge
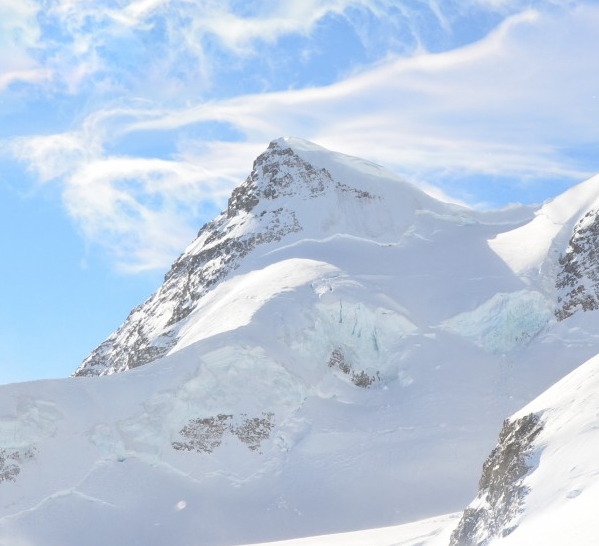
x=494 y=513
x=578 y=279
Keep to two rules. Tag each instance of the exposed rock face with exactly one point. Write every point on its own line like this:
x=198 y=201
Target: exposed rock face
x=206 y=434
x=495 y=511
x=10 y=463
x=339 y=361
x=578 y=280
x=256 y=215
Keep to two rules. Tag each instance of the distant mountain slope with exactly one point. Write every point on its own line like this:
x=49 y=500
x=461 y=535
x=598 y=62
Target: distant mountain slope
x=335 y=351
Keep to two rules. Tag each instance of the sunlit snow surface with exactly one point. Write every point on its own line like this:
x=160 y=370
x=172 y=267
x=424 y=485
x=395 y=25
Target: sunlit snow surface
x=352 y=375
x=429 y=532
x=527 y=248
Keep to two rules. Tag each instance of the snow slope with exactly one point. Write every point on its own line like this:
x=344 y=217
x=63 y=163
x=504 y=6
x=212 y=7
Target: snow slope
x=526 y=249
x=553 y=499
x=336 y=351
x=560 y=506
x=429 y=532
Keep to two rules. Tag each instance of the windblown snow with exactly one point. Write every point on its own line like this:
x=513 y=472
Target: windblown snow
x=335 y=352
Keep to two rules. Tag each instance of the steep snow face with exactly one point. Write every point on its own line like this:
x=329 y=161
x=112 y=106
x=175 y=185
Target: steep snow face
x=545 y=472
x=555 y=255
x=295 y=191
x=535 y=247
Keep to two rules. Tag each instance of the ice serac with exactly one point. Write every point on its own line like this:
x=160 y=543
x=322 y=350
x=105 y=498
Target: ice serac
x=295 y=188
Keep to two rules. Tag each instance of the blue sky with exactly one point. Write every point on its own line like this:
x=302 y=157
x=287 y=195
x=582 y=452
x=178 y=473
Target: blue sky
x=124 y=125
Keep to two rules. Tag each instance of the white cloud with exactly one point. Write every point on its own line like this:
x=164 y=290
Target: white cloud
x=141 y=211
x=34 y=75
x=504 y=105
x=89 y=42
x=263 y=21
x=52 y=156
x=138 y=209
x=507 y=105
x=19 y=36
x=135 y=43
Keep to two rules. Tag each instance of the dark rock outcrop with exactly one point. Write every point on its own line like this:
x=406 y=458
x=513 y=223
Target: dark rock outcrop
x=339 y=361
x=494 y=513
x=206 y=434
x=10 y=463
x=578 y=279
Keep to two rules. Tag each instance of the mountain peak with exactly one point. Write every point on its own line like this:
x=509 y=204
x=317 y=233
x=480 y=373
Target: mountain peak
x=278 y=172
x=296 y=191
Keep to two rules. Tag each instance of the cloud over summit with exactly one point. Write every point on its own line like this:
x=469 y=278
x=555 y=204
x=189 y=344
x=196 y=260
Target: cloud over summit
x=163 y=104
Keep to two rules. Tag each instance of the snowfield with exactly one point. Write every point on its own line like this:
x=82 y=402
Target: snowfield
x=429 y=532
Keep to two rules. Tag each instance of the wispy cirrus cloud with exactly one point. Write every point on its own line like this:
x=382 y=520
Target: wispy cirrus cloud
x=497 y=106
x=511 y=104
x=141 y=211
x=159 y=48
x=19 y=38
x=80 y=43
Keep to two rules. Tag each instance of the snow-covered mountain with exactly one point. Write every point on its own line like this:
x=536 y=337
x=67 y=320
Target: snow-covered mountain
x=296 y=193
x=335 y=351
